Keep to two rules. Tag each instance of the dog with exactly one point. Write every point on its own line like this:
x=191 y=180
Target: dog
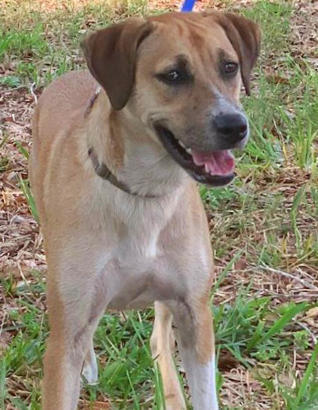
x=116 y=154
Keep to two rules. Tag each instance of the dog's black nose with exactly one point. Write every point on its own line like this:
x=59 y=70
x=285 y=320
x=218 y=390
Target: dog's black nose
x=232 y=127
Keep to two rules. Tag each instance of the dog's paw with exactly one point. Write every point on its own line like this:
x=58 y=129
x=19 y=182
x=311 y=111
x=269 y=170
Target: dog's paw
x=90 y=369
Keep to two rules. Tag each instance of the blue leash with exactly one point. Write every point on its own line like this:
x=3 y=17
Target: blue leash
x=187 y=6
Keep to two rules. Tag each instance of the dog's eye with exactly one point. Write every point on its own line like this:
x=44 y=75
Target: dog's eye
x=230 y=68
x=174 y=77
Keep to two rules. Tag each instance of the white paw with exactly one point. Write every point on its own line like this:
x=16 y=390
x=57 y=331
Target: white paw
x=90 y=369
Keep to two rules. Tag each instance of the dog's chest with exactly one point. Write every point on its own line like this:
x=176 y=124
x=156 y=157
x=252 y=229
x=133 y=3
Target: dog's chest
x=138 y=228
x=139 y=266
x=140 y=284
x=136 y=267
x=139 y=245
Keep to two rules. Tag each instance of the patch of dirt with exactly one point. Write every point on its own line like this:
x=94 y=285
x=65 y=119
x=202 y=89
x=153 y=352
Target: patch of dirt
x=20 y=240
x=304 y=36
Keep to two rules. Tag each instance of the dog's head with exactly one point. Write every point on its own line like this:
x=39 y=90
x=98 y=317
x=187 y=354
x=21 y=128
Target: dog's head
x=181 y=74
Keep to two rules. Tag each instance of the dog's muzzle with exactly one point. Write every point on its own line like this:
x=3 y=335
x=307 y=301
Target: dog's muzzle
x=215 y=168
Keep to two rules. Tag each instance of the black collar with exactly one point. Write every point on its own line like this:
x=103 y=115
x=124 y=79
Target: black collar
x=101 y=168
x=104 y=172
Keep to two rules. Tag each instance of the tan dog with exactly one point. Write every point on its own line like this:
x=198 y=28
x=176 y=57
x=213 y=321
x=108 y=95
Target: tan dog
x=122 y=220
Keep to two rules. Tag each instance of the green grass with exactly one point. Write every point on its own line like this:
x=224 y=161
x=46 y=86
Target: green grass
x=266 y=220
x=24 y=44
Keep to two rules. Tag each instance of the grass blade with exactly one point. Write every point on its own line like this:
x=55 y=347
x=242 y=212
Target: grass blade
x=279 y=324
x=24 y=185
x=309 y=371
x=2 y=383
x=225 y=271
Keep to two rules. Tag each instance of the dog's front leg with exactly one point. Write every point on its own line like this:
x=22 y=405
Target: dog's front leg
x=75 y=301
x=196 y=346
x=70 y=341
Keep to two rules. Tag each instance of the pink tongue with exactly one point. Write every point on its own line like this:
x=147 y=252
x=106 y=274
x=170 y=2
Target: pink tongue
x=216 y=162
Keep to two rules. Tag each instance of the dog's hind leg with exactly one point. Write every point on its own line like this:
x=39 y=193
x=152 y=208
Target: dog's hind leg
x=196 y=346
x=90 y=369
x=162 y=345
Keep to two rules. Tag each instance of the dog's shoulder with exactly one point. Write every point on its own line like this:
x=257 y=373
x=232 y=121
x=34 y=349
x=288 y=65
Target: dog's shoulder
x=72 y=90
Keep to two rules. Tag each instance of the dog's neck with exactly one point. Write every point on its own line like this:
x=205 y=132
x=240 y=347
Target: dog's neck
x=130 y=152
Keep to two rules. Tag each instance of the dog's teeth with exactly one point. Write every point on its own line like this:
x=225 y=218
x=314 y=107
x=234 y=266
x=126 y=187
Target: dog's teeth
x=182 y=144
x=188 y=150
x=206 y=168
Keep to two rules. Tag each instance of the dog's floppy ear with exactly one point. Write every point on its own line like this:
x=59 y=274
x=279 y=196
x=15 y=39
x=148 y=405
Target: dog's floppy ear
x=111 y=57
x=245 y=37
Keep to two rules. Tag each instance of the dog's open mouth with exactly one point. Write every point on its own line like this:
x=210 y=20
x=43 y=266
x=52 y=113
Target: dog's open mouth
x=214 y=168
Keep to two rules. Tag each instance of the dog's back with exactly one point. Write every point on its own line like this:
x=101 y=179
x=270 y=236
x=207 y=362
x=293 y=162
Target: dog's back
x=60 y=109
x=64 y=96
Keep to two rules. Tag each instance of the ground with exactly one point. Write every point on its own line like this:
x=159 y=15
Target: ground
x=264 y=227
